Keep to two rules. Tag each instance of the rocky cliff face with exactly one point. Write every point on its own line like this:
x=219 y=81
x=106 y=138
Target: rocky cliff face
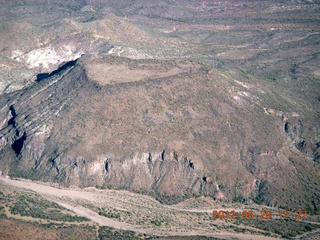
x=46 y=126
x=177 y=134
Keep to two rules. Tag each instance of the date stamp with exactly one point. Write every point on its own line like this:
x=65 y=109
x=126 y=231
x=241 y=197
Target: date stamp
x=263 y=215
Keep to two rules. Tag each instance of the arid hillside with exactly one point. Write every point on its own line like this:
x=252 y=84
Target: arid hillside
x=174 y=99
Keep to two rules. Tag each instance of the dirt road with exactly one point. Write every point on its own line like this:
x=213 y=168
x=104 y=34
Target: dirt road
x=55 y=194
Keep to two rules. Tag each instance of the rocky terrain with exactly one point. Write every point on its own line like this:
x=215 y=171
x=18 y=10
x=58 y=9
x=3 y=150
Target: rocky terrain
x=174 y=99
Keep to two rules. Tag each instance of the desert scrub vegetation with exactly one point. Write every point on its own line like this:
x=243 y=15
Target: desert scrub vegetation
x=111 y=233
x=116 y=234
x=40 y=208
x=286 y=228
x=160 y=221
x=186 y=238
x=11 y=228
x=113 y=213
x=33 y=205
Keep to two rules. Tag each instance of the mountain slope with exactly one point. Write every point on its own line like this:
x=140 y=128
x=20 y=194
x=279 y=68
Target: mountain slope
x=195 y=132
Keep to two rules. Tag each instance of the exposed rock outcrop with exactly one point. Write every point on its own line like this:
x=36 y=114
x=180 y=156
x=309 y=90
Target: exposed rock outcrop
x=171 y=136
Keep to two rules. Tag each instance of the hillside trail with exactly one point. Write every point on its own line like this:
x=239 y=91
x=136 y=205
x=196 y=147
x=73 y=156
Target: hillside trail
x=55 y=194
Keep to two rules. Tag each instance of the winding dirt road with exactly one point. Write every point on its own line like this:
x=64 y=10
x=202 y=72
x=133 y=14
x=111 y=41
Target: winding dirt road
x=55 y=194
